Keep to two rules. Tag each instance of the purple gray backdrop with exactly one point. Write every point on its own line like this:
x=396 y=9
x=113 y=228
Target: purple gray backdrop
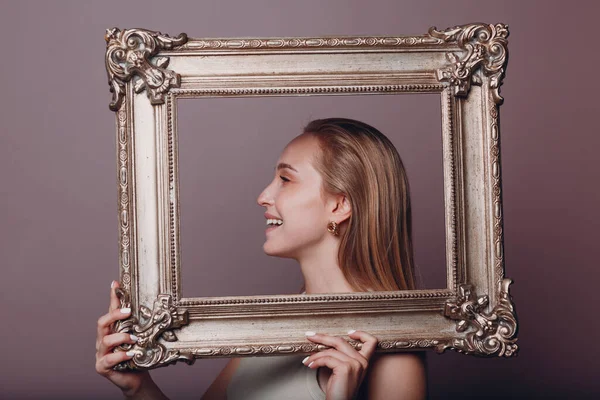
x=58 y=202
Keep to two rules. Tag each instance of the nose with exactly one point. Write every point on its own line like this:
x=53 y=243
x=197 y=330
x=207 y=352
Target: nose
x=265 y=198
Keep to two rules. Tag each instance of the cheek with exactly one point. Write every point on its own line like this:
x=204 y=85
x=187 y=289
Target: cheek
x=304 y=215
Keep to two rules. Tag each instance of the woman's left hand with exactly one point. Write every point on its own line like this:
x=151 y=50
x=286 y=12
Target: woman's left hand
x=349 y=366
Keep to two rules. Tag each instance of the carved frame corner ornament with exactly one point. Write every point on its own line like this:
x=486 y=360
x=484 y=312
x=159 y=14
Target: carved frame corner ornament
x=494 y=333
x=486 y=46
x=129 y=52
x=153 y=325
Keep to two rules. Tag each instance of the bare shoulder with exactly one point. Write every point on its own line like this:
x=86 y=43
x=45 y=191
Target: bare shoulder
x=399 y=376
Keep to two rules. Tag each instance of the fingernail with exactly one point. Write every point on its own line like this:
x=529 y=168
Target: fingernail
x=310 y=333
x=311 y=364
x=307 y=357
x=112 y=284
x=125 y=310
x=130 y=353
x=351 y=331
x=134 y=338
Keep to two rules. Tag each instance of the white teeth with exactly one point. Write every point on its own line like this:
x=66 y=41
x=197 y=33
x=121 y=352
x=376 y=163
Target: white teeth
x=274 y=222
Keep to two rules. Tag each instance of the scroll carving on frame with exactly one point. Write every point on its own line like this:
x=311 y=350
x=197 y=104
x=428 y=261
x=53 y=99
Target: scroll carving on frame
x=128 y=54
x=157 y=323
x=494 y=332
x=148 y=74
x=486 y=49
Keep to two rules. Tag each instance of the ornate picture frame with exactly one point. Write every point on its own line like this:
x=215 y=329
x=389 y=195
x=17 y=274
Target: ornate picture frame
x=465 y=65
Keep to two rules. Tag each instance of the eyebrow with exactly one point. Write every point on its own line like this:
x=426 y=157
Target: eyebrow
x=285 y=165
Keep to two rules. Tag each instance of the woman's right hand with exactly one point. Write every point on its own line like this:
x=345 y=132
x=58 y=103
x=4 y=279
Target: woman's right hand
x=131 y=382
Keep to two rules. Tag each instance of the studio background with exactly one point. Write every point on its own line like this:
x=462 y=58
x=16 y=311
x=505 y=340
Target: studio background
x=58 y=192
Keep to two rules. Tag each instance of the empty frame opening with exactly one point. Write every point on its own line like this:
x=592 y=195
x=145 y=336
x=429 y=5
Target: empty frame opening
x=228 y=148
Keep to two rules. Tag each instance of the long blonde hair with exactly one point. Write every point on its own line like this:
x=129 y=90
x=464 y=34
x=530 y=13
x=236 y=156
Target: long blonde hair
x=376 y=251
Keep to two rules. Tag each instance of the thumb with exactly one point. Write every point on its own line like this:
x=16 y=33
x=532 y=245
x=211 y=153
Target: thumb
x=114 y=300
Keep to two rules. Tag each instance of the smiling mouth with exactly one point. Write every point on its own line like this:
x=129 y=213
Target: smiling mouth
x=272 y=227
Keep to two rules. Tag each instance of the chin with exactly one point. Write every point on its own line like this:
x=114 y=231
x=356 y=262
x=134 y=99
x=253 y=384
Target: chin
x=274 y=253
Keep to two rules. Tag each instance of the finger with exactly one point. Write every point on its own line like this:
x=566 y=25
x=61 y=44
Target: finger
x=108 y=342
x=331 y=363
x=114 y=300
x=105 y=364
x=336 y=342
x=106 y=320
x=338 y=355
x=369 y=342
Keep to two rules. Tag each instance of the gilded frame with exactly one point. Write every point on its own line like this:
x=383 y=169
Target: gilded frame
x=465 y=65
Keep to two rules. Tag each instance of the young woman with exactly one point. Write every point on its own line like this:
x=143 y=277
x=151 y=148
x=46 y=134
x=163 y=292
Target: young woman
x=339 y=205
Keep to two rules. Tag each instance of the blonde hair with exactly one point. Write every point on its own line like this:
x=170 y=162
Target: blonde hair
x=376 y=251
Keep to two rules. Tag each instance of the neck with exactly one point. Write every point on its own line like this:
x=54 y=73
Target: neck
x=322 y=272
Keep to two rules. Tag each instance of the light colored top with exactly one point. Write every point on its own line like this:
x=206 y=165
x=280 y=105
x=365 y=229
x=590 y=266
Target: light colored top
x=274 y=378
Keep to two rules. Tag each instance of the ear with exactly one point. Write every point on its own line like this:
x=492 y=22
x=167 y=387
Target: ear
x=341 y=208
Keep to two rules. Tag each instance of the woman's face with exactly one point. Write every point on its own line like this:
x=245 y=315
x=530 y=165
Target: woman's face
x=294 y=196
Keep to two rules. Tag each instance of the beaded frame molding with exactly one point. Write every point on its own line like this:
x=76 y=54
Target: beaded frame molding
x=464 y=65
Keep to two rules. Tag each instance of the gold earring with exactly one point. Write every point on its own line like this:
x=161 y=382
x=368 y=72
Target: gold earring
x=334 y=228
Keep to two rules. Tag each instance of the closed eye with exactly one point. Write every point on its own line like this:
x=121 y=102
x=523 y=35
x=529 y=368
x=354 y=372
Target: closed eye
x=284 y=178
